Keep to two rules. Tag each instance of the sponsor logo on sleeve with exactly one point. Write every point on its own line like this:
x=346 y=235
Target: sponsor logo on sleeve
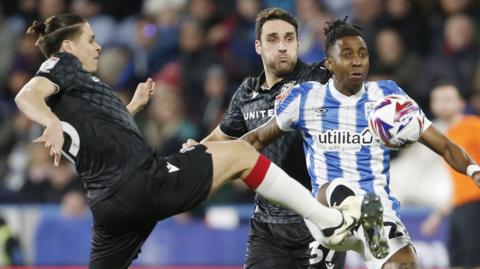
x=49 y=64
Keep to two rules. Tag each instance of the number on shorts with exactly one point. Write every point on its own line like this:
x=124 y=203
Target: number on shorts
x=317 y=254
x=393 y=230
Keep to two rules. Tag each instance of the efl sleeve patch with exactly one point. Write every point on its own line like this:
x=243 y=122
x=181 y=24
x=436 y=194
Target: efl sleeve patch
x=288 y=110
x=49 y=64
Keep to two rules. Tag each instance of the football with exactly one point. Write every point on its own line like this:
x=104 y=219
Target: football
x=396 y=121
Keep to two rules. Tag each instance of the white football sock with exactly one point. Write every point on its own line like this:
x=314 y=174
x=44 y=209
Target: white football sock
x=280 y=188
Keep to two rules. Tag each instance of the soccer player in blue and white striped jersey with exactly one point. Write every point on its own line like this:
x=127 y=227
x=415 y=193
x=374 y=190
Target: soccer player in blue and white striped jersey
x=339 y=149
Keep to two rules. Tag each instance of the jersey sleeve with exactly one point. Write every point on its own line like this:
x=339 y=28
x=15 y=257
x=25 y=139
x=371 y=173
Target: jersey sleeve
x=61 y=70
x=390 y=87
x=233 y=123
x=288 y=110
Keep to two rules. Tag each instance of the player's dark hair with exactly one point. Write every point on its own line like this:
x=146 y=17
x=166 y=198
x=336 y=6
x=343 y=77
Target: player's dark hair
x=54 y=30
x=338 y=28
x=270 y=14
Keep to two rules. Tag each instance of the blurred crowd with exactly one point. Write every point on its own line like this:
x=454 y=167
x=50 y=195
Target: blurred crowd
x=199 y=51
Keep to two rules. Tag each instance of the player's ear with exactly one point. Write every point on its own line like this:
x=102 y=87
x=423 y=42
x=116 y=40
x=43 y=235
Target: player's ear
x=66 y=46
x=329 y=64
x=258 y=47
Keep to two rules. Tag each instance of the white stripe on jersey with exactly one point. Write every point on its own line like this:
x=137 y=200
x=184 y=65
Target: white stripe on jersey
x=347 y=118
x=316 y=162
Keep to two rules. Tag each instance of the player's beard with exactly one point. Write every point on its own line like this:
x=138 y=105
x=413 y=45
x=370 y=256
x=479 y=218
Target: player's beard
x=282 y=69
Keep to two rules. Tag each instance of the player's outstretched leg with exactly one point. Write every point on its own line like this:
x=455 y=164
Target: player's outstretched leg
x=372 y=222
x=336 y=194
x=238 y=159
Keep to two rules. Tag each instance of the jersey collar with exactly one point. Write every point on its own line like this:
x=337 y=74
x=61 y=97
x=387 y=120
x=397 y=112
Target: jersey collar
x=261 y=78
x=343 y=98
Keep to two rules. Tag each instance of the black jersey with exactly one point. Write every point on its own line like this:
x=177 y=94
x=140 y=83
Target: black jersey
x=251 y=106
x=101 y=137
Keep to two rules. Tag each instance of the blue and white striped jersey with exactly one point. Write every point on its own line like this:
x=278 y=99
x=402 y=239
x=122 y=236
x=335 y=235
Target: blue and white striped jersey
x=337 y=142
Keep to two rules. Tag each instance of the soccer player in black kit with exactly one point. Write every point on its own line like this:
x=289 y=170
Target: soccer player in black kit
x=278 y=237
x=128 y=186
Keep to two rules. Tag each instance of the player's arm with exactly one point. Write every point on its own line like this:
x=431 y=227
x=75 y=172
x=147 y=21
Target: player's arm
x=31 y=101
x=454 y=155
x=263 y=135
x=141 y=96
x=285 y=120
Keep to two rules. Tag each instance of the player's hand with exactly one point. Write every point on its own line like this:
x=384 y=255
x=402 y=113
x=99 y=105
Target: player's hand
x=188 y=145
x=431 y=224
x=52 y=138
x=141 y=96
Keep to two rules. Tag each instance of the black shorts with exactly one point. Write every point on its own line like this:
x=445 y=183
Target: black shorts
x=287 y=246
x=464 y=236
x=123 y=221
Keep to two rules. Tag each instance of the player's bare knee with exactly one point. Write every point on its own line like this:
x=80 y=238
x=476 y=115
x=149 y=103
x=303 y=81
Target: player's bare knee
x=243 y=150
x=244 y=157
x=240 y=155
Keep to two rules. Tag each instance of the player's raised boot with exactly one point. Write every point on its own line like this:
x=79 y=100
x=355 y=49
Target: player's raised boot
x=350 y=209
x=341 y=197
x=372 y=222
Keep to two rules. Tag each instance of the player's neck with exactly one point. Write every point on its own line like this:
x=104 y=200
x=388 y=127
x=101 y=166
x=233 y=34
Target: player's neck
x=346 y=89
x=271 y=79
